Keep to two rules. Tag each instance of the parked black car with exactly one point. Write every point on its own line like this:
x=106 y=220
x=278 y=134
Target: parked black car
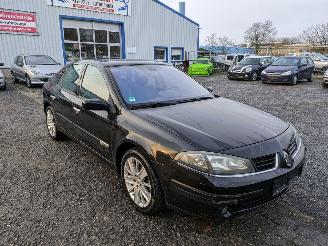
x=250 y=68
x=2 y=79
x=289 y=69
x=171 y=141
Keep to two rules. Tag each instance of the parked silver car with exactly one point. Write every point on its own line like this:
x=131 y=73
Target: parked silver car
x=34 y=69
x=320 y=61
x=2 y=79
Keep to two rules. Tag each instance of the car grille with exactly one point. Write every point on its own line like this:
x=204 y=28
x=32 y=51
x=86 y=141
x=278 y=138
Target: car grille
x=292 y=148
x=274 y=74
x=264 y=163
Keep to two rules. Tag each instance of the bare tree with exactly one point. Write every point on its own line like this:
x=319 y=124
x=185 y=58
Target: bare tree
x=260 y=33
x=225 y=42
x=211 y=41
x=316 y=34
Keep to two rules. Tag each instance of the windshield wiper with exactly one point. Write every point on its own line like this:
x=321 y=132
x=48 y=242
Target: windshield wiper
x=196 y=99
x=152 y=105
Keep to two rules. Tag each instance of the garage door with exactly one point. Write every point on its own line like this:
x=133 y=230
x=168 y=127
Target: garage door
x=91 y=40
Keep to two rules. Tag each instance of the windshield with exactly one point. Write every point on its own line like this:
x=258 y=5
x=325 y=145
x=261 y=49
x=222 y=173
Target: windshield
x=201 y=61
x=148 y=84
x=39 y=60
x=217 y=59
x=286 y=61
x=322 y=57
x=250 y=61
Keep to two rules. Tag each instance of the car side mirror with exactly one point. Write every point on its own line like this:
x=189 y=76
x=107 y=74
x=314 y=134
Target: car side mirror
x=95 y=104
x=1 y=64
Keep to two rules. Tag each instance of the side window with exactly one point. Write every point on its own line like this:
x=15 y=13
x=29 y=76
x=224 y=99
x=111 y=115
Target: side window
x=304 y=61
x=20 y=61
x=310 y=62
x=70 y=77
x=94 y=85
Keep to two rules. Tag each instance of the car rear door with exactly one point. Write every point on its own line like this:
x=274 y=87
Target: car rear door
x=96 y=125
x=18 y=68
x=310 y=69
x=65 y=99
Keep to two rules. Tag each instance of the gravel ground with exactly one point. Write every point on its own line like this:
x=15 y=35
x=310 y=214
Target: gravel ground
x=57 y=193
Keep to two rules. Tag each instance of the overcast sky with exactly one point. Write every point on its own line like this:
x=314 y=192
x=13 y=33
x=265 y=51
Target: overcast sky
x=232 y=17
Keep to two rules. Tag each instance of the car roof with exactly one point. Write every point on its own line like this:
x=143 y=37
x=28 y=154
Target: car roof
x=258 y=56
x=114 y=63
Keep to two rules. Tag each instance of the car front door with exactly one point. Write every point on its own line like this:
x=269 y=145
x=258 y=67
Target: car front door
x=65 y=100
x=310 y=68
x=96 y=125
x=303 y=69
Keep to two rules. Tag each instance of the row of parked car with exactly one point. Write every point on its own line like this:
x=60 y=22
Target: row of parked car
x=287 y=69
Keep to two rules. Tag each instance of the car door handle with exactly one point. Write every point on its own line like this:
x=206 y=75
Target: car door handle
x=53 y=97
x=77 y=110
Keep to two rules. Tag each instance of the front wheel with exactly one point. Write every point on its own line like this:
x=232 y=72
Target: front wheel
x=295 y=80
x=28 y=81
x=141 y=183
x=311 y=79
x=51 y=125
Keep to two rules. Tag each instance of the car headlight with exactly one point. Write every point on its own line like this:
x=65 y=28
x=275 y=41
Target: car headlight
x=286 y=73
x=36 y=72
x=247 y=69
x=264 y=72
x=212 y=163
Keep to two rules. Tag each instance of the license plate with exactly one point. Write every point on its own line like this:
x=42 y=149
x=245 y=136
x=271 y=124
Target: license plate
x=280 y=185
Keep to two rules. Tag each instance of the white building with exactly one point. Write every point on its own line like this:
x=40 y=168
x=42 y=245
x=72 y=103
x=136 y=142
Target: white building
x=95 y=29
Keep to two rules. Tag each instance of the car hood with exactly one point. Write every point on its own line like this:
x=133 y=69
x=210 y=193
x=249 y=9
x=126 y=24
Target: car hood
x=280 y=69
x=216 y=125
x=241 y=67
x=46 y=69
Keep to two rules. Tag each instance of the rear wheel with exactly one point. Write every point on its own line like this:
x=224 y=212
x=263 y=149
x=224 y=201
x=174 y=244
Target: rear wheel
x=141 y=183
x=254 y=76
x=15 y=80
x=53 y=131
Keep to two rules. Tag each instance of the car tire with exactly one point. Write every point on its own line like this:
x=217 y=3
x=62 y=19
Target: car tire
x=28 y=81
x=141 y=183
x=324 y=85
x=311 y=78
x=295 y=80
x=15 y=80
x=254 y=76
x=53 y=131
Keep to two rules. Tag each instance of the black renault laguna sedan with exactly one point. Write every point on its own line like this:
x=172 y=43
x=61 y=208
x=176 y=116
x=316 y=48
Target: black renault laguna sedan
x=172 y=142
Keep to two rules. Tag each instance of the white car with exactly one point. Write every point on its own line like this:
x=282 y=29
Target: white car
x=34 y=69
x=325 y=79
x=2 y=80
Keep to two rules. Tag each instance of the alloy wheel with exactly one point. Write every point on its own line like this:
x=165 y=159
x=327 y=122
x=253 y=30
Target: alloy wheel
x=28 y=82
x=295 y=79
x=254 y=76
x=51 y=123
x=137 y=182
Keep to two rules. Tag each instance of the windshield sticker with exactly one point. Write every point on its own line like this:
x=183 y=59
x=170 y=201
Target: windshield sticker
x=132 y=99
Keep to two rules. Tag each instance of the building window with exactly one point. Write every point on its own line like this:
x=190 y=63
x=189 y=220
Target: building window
x=177 y=54
x=82 y=44
x=160 y=54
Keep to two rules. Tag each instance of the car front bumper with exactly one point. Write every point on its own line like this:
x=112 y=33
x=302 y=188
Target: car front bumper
x=277 y=78
x=39 y=80
x=221 y=197
x=200 y=72
x=239 y=76
x=2 y=83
